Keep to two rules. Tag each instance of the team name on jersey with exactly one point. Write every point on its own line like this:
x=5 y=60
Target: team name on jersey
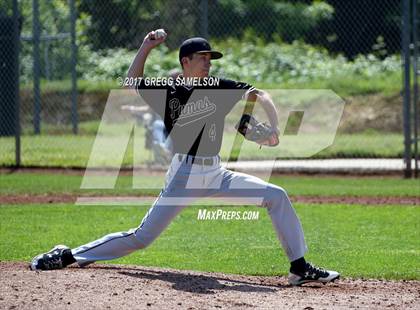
x=192 y=111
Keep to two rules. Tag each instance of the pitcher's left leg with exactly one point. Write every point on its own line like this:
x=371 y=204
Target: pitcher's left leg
x=285 y=221
x=248 y=189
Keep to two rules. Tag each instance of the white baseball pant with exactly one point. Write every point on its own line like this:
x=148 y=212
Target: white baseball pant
x=187 y=182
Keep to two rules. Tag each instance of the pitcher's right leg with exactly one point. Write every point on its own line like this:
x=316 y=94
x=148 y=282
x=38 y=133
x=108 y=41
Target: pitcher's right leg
x=113 y=245
x=123 y=243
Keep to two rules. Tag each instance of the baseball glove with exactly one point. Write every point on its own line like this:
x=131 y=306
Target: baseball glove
x=253 y=130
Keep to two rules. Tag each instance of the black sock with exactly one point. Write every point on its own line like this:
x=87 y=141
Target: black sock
x=68 y=258
x=298 y=265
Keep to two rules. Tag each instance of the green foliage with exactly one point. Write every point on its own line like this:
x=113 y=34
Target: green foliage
x=108 y=35
x=104 y=65
x=123 y=24
x=296 y=20
x=55 y=55
x=294 y=63
x=358 y=25
x=253 y=60
x=288 y=20
x=119 y=23
x=6 y=8
x=334 y=24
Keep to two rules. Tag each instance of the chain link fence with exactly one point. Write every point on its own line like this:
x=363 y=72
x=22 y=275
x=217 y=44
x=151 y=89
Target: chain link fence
x=46 y=68
x=351 y=47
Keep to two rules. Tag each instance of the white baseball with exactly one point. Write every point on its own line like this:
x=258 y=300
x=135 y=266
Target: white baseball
x=160 y=33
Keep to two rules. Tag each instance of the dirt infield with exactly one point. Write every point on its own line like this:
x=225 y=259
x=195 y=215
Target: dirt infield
x=135 y=287
x=364 y=200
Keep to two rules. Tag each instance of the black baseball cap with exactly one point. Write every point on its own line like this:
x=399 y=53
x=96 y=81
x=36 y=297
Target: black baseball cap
x=197 y=45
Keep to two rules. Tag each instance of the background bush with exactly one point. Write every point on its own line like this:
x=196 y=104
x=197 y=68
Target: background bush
x=249 y=58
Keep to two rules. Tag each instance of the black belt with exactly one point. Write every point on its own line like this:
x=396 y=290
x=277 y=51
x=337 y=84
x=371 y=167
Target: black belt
x=197 y=160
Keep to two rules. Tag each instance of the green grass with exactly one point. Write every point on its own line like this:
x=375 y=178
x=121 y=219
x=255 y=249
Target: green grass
x=356 y=240
x=360 y=145
x=74 y=151
x=59 y=151
x=34 y=183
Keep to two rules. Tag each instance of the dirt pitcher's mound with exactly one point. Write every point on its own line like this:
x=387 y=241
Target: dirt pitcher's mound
x=134 y=287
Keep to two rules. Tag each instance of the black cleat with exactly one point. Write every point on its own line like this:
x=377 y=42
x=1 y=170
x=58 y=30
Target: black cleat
x=312 y=274
x=51 y=260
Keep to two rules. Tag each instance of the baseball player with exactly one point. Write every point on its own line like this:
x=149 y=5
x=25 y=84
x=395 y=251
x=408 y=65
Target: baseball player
x=161 y=144
x=194 y=117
